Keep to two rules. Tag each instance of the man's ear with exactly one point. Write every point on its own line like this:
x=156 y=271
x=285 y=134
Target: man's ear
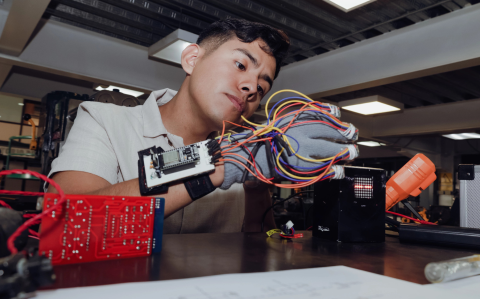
x=190 y=56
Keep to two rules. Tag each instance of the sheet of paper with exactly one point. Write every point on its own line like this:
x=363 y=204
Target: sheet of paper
x=469 y=286
x=329 y=282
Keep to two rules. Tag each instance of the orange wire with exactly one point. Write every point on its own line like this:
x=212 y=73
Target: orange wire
x=249 y=162
x=236 y=161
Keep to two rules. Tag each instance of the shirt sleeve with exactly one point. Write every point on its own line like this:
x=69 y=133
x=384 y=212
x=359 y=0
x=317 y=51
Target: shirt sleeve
x=88 y=147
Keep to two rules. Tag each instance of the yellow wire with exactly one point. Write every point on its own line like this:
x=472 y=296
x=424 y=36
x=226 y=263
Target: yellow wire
x=301 y=94
x=280 y=91
x=253 y=124
x=288 y=102
x=292 y=175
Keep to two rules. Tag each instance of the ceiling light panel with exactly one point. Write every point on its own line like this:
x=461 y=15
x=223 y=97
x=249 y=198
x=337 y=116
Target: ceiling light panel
x=463 y=136
x=122 y=90
x=371 y=105
x=370 y=143
x=348 y=5
x=169 y=49
x=371 y=108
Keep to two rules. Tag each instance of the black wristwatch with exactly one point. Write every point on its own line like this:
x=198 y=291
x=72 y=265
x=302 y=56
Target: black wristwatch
x=199 y=186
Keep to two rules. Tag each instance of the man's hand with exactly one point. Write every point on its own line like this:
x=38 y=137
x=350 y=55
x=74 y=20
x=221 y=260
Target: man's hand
x=310 y=137
x=217 y=175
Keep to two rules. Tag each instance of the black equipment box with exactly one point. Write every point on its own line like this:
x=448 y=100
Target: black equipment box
x=351 y=209
x=440 y=235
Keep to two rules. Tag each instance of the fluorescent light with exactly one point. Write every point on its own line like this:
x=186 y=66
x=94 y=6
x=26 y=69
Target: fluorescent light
x=371 y=105
x=371 y=108
x=122 y=90
x=463 y=136
x=20 y=104
x=169 y=49
x=370 y=143
x=348 y=5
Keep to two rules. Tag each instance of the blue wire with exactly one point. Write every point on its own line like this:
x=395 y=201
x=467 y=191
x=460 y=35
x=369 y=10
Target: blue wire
x=310 y=168
x=289 y=98
x=323 y=115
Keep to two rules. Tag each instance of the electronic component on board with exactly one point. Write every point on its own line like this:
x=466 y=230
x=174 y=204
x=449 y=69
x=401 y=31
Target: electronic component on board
x=89 y=228
x=163 y=167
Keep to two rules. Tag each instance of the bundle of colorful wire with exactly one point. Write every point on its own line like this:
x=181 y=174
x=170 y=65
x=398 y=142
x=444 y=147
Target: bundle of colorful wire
x=277 y=140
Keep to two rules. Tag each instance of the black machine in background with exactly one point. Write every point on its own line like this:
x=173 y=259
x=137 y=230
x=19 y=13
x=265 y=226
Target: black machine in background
x=351 y=209
x=21 y=275
x=60 y=111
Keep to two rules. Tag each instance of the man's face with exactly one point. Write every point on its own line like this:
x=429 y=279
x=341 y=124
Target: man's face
x=231 y=81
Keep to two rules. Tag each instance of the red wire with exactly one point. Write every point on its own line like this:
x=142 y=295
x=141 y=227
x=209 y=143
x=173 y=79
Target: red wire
x=33 y=233
x=315 y=121
x=36 y=219
x=29 y=215
x=6 y=205
x=296 y=124
x=23 y=193
x=413 y=219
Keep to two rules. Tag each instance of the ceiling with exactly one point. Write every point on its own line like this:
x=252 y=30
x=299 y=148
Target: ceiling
x=455 y=86
x=314 y=26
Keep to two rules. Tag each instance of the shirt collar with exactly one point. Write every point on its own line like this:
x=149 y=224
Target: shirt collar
x=152 y=120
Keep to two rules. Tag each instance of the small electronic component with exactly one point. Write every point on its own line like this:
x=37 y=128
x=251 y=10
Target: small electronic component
x=164 y=167
x=286 y=231
x=92 y=228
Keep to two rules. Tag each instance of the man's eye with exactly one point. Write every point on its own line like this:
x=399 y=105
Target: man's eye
x=240 y=66
x=260 y=90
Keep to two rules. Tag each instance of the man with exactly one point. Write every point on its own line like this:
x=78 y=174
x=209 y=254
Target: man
x=228 y=72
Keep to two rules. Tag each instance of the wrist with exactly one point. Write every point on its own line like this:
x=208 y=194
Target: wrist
x=217 y=175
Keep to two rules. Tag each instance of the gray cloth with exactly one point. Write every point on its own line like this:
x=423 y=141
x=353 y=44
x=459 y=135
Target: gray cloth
x=316 y=141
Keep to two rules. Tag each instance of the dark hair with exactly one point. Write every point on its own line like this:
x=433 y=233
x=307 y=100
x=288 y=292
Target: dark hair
x=222 y=31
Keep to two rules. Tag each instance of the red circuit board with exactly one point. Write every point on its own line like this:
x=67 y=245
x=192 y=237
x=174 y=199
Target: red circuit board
x=90 y=228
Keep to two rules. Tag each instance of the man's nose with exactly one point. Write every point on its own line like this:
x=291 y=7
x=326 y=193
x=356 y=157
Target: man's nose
x=249 y=89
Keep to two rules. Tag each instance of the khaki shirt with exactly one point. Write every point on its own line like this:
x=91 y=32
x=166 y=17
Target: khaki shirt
x=105 y=140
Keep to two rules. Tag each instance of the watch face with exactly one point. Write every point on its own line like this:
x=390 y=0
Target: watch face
x=199 y=186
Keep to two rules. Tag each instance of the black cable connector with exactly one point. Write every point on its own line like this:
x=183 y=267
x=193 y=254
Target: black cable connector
x=271 y=160
x=254 y=153
x=282 y=143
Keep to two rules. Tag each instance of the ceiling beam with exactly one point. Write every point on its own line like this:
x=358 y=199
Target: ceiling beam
x=78 y=53
x=464 y=84
x=96 y=9
x=428 y=120
x=404 y=54
x=22 y=19
x=438 y=88
x=4 y=71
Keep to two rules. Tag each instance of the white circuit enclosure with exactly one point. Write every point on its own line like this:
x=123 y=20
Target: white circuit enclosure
x=177 y=164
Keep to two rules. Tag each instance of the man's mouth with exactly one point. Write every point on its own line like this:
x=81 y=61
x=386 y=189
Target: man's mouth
x=237 y=102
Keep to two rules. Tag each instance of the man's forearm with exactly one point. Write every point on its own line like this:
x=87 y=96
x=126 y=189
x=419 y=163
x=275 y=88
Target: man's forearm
x=176 y=198
x=77 y=182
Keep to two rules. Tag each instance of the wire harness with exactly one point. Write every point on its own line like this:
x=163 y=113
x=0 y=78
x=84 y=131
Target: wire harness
x=289 y=114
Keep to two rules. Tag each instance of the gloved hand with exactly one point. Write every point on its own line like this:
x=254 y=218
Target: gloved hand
x=312 y=140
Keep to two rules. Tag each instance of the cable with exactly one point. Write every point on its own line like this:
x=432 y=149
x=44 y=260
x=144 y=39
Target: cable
x=278 y=142
x=4 y=204
x=279 y=202
x=36 y=219
x=413 y=219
